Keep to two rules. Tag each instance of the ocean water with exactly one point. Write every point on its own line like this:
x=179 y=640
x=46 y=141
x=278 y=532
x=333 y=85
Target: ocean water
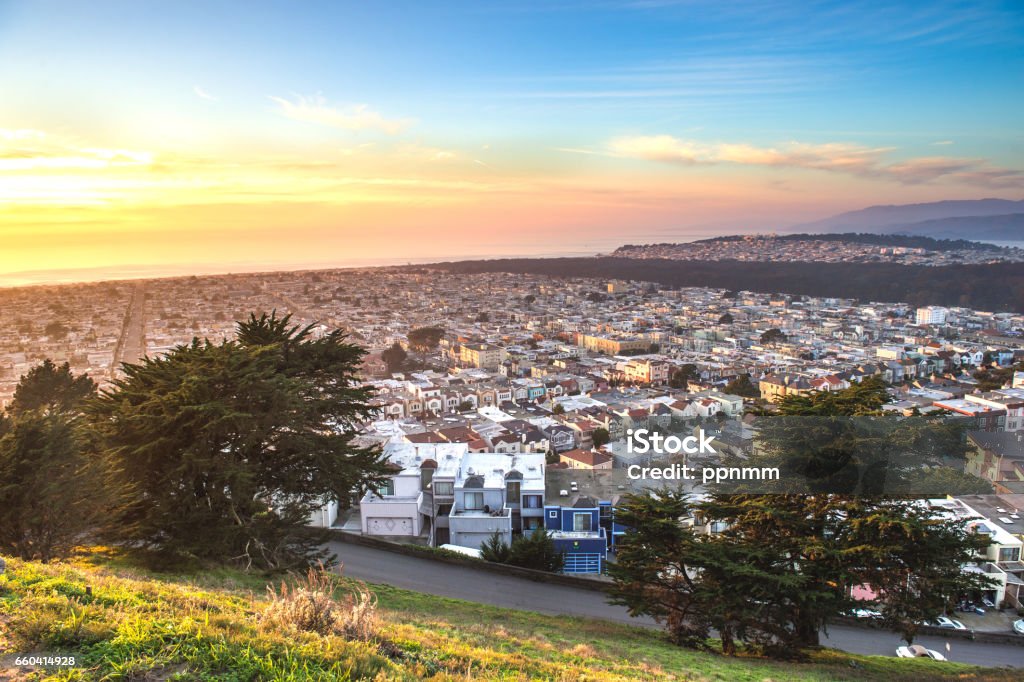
x=593 y=247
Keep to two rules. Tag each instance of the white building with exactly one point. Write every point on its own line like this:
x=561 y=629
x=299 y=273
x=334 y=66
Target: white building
x=1002 y=557
x=932 y=315
x=496 y=493
x=404 y=505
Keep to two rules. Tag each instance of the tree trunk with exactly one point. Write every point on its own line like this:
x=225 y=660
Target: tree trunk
x=808 y=633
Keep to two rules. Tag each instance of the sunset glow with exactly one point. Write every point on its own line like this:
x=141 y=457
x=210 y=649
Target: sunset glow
x=169 y=136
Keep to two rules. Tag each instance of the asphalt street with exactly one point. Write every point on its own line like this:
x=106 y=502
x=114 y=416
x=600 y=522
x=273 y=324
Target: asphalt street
x=460 y=582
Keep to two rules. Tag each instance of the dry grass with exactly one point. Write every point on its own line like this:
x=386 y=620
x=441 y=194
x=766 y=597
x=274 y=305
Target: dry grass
x=309 y=604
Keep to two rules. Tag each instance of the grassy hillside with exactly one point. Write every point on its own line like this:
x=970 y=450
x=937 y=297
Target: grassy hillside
x=139 y=626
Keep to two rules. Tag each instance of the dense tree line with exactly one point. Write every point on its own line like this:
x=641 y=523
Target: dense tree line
x=217 y=452
x=994 y=287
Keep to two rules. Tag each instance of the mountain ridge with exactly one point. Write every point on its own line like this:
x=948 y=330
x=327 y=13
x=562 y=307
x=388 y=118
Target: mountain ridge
x=998 y=219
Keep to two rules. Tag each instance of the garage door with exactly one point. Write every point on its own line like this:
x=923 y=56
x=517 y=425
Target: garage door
x=389 y=526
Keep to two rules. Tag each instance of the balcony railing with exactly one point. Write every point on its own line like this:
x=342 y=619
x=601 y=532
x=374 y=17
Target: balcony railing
x=504 y=512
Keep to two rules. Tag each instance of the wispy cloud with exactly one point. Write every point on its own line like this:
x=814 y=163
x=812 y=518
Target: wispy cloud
x=356 y=117
x=839 y=157
x=942 y=143
x=33 y=150
x=203 y=94
x=419 y=152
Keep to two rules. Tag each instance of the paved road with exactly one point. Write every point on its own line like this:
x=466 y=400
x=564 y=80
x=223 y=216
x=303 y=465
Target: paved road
x=131 y=345
x=446 y=580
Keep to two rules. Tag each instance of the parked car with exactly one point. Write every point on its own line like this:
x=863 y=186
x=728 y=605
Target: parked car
x=918 y=651
x=970 y=607
x=1018 y=626
x=865 y=613
x=949 y=623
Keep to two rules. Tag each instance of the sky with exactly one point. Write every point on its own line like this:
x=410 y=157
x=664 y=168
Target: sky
x=170 y=137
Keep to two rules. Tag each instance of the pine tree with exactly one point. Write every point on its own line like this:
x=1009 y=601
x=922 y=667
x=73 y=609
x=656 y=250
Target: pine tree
x=223 y=451
x=50 y=495
x=52 y=387
x=495 y=549
x=790 y=553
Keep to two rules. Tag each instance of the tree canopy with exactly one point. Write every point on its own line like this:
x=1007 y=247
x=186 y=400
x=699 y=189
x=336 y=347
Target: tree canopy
x=394 y=357
x=50 y=494
x=787 y=556
x=223 y=451
x=425 y=339
x=683 y=375
x=52 y=387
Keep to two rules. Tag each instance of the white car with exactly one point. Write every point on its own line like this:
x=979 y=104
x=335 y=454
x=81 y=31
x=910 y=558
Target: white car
x=949 y=623
x=1018 y=626
x=918 y=651
x=865 y=613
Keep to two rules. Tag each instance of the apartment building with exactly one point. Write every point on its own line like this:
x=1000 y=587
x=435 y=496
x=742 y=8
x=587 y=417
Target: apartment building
x=646 y=371
x=482 y=355
x=614 y=346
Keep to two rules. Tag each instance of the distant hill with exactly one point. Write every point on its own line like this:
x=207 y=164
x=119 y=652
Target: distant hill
x=1000 y=228
x=913 y=241
x=984 y=219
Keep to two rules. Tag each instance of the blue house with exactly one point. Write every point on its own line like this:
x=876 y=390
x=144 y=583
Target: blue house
x=579 y=513
x=578 y=534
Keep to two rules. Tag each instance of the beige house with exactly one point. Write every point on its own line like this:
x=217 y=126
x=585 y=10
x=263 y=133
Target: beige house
x=586 y=459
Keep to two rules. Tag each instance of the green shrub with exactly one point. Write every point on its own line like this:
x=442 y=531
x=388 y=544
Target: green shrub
x=495 y=549
x=536 y=551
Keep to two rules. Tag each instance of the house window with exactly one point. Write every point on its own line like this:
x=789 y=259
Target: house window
x=473 y=501
x=531 y=523
x=444 y=488
x=531 y=501
x=512 y=489
x=1009 y=553
x=387 y=489
x=581 y=521
x=553 y=514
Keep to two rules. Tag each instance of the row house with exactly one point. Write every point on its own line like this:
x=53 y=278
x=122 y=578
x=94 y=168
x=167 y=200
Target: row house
x=586 y=459
x=980 y=417
x=646 y=371
x=496 y=494
x=775 y=387
x=996 y=456
x=445 y=494
x=405 y=505
x=1012 y=401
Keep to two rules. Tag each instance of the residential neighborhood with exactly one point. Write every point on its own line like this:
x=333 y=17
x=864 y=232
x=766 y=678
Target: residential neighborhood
x=513 y=413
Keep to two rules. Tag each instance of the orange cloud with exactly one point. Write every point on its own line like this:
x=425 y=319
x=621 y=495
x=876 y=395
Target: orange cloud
x=840 y=157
